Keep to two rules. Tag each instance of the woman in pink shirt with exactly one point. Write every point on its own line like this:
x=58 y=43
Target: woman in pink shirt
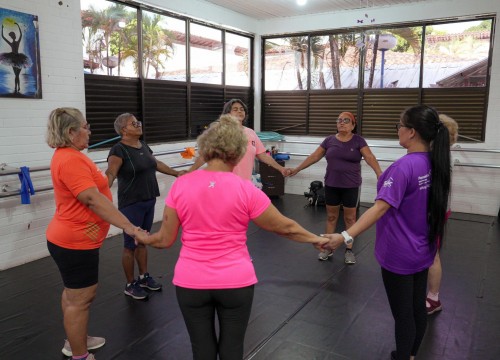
x=255 y=148
x=214 y=273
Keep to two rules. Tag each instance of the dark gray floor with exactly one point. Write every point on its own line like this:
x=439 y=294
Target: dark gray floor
x=303 y=308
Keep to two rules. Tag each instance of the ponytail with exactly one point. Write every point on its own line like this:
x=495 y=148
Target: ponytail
x=437 y=205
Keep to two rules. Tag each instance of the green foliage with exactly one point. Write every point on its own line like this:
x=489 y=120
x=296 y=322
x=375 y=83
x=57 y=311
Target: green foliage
x=484 y=25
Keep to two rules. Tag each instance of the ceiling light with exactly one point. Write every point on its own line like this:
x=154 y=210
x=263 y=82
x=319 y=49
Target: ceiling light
x=301 y=2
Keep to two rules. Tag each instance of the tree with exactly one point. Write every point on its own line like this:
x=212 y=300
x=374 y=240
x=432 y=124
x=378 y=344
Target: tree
x=97 y=28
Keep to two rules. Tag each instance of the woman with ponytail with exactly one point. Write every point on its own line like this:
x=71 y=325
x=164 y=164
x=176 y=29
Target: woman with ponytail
x=410 y=209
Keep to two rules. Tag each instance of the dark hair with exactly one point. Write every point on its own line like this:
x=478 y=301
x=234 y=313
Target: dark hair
x=229 y=105
x=425 y=120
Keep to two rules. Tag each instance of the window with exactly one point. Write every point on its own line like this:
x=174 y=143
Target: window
x=174 y=99
x=335 y=61
x=205 y=46
x=164 y=47
x=108 y=38
x=286 y=63
x=456 y=54
x=392 y=58
x=377 y=72
x=237 y=60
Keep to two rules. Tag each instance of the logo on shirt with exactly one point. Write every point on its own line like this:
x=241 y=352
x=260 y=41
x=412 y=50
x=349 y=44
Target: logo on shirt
x=424 y=181
x=211 y=185
x=388 y=183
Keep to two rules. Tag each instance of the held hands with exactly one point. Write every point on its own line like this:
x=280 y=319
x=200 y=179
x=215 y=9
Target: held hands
x=141 y=236
x=333 y=241
x=321 y=242
x=286 y=171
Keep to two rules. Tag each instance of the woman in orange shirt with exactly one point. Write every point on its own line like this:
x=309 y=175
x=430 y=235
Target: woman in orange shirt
x=84 y=212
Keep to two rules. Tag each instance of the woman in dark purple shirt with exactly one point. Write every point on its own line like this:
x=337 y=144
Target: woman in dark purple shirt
x=343 y=153
x=409 y=210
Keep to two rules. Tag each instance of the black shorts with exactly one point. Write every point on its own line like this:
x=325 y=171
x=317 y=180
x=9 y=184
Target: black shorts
x=348 y=197
x=79 y=268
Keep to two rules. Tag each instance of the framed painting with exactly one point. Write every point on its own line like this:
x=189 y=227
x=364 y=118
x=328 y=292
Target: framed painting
x=19 y=55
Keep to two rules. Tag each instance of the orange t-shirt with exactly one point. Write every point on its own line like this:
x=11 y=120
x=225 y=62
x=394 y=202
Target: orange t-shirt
x=74 y=225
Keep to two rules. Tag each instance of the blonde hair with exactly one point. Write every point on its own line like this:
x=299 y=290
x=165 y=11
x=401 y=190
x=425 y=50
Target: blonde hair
x=452 y=127
x=224 y=139
x=61 y=121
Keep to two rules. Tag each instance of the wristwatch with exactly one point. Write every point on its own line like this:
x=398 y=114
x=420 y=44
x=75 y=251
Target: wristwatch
x=348 y=239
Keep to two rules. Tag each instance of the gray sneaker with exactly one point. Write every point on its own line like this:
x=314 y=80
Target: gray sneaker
x=349 y=257
x=93 y=342
x=325 y=254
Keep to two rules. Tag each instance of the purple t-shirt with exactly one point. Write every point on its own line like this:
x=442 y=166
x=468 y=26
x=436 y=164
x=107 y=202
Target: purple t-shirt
x=402 y=244
x=343 y=160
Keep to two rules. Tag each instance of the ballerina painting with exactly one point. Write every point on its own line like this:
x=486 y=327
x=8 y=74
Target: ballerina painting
x=19 y=54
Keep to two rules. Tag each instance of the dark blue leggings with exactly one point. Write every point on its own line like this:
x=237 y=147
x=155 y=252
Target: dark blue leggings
x=406 y=294
x=233 y=308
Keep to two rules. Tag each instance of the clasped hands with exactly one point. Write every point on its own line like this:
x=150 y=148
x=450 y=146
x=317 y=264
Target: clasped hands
x=286 y=172
x=329 y=242
x=139 y=235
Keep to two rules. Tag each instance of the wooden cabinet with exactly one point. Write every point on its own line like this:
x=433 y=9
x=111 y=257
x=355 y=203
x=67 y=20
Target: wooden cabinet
x=273 y=183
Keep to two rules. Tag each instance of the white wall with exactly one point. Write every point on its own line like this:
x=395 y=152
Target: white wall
x=23 y=121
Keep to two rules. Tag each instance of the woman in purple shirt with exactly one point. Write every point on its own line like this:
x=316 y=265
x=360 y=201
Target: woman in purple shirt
x=343 y=153
x=409 y=210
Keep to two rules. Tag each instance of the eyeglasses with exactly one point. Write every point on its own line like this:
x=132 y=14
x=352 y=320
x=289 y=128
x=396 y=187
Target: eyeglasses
x=399 y=126
x=136 y=124
x=343 y=121
x=86 y=126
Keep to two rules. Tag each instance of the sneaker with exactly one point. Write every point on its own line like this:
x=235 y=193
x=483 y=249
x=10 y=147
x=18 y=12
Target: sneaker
x=92 y=344
x=349 y=257
x=325 y=254
x=148 y=282
x=136 y=291
x=433 y=306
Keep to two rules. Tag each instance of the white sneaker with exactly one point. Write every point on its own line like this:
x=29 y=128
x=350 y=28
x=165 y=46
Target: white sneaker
x=92 y=344
x=325 y=254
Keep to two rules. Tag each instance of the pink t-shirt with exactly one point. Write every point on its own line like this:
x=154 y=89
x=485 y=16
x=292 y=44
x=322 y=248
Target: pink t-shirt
x=254 y=147
x=214 y=209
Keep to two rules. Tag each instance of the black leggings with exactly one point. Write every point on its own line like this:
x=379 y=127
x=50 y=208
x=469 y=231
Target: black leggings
x=233 y=308
x=406 y=294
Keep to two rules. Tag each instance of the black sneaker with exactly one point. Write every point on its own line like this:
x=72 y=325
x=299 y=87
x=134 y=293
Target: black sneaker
x=149 y=283
x=135 y=291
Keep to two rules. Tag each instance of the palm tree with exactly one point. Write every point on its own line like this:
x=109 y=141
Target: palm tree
x=98 y=27
x=157 y=44
x=299 y=45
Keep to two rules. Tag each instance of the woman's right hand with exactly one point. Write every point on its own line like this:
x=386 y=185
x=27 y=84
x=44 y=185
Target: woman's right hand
x=333 y=241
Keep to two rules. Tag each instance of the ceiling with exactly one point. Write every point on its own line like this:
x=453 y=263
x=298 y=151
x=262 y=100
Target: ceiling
x=273 y=9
